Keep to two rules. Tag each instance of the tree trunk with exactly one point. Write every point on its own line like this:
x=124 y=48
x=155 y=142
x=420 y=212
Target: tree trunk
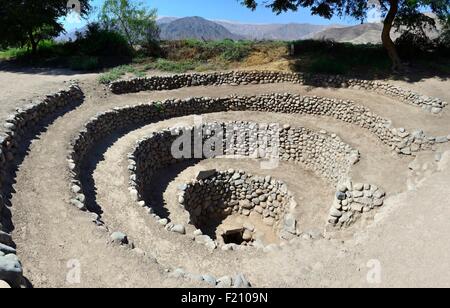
x=386 y=35
x=34 y=47
x=33 y=42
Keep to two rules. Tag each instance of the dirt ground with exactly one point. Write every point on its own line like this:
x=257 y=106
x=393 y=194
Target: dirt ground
x=407 y=243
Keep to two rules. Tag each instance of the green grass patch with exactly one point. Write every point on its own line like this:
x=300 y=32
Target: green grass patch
x=172 y=66
x=83 y=63
x=203 y=51
x=118 y=72
x=12 y=53
x=159 y=107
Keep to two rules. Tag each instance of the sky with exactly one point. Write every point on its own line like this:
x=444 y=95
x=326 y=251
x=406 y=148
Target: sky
x=223 y=10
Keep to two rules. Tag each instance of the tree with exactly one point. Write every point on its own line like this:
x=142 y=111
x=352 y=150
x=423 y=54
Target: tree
x=136 y=22
x=27 y=22
x=398 y=13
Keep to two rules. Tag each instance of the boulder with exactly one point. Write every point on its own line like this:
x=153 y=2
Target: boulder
x=290 y=223
x=239 y=281
x=11 y=270
x=119 y=238
x=7 y=249
x=205 y=174
x=180 y=229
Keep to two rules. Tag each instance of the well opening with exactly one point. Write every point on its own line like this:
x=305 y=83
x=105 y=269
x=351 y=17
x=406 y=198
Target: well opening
x=234 y=236
x=234 y=207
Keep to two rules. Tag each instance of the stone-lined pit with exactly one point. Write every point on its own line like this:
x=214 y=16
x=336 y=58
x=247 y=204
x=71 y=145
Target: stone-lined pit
x=40 y=201
x=232 y=207
x=128 y=117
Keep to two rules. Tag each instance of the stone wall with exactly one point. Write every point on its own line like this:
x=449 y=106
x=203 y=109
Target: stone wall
x=20 y=127
x=434 y=105
x=325 y=154
x=127 y=117
x=352 y=200
x=225 y=193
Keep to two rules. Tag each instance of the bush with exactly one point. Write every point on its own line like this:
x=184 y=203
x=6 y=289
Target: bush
x=410 y=45
x=227 y=50
x=83 y=63
x=327 y=66
x=443 y=42
x=12 y=53
x=102 y=43
x=95 y=49
x=173 y=66
x=117 y=73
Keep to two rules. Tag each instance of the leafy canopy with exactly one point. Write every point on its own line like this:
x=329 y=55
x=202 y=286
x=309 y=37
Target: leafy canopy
x=27 y=22
x=357 y=8
x=134 y=20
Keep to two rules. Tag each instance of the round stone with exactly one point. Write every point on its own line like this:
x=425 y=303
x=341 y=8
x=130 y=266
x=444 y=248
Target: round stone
x=180 y=229
x=4 y=285
x=163 y=222
x=340 y=195
x=210 y=279
x=119 y=238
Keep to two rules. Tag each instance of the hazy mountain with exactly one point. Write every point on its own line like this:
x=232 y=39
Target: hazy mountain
x=364 y=33
x=174 y=28
x=165 y=20
x=194 y=28
x=286 y=32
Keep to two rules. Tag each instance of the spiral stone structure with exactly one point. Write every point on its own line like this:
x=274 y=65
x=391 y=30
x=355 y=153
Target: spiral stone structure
x=170 y=176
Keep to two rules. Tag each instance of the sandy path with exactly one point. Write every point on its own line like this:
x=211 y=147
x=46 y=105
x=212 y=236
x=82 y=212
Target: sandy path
x=19 y=86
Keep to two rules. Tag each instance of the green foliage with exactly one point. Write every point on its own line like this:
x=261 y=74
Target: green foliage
x=96 y=48
x=401 y=13
x=173 y=66
x=118 y=72
x=408 y=9
x=84 y=63
x=28 y=22
x=102 y=43
x=444 y=39
x=46 y=50
x=12 y=53
x=324 y=65
x=226 y=50
x=159 y=107
x=411 y=45
x=133 y=21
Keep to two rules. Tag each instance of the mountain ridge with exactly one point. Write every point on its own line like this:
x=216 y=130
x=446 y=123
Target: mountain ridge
x=195 y=28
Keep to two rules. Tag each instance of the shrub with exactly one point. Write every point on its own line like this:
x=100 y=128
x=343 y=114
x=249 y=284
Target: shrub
x=173 y=66
x=227 y=50
x=410 y=45
x=83 y=63
x=328 y=66
x=443 y=41
x=117 y=73
x=102 y=43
